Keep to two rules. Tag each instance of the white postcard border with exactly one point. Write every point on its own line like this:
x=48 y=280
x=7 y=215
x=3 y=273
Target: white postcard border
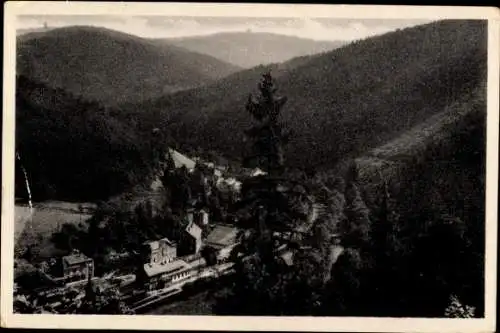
x=142 y=322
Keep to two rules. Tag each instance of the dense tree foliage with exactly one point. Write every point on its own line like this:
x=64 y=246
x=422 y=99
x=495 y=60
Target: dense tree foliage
x=426 y=240
x=261 y=277
x=410 y=243
x=78 y=150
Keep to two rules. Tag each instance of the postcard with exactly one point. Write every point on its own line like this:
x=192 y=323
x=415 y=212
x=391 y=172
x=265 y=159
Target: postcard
x=279 y=167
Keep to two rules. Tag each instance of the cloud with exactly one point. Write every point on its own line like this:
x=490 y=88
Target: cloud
x=166 y=27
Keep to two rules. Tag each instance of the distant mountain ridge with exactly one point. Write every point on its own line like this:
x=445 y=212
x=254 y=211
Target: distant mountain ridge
x=249 y=49
x=112 y=67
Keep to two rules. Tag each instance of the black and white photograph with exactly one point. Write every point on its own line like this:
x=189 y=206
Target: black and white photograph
x=261 y=164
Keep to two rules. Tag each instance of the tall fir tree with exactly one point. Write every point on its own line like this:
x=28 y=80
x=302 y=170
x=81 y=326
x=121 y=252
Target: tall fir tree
x=266 y=194
x=262 y=276
x=267 y=136
x=385 y=230
x=355 y=228
x=386 y=253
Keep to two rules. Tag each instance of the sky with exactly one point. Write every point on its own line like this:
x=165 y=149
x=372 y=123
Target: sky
x=169 y=26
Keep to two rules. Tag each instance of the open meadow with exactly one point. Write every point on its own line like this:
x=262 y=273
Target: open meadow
x=35 y=230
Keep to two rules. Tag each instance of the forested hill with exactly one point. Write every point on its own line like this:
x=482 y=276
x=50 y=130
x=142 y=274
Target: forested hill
x=436 y=174
x=249 y=49
x=438 y=165
x=112 y=67
x=77 y=150
x=342 y=102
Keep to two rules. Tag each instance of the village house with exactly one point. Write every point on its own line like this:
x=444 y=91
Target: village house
x=287 y=258
x=222 y=239
x=181 y=160
x=254 y=172
x=159 y=252
x=190 y=242
x=77 y=267
x=158 y=276
x=161 y=266
x=231 y=184
x=200 y=217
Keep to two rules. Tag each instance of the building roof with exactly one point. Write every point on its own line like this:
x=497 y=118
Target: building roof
x=194 y=230
x=154 y=245
x=257 y=172
x=76 y=258
x=181 y=160
x=222 y=236
x=168 y=242
x=287 y=257
x=197 y=262
x=169 y=268
x=336 y=252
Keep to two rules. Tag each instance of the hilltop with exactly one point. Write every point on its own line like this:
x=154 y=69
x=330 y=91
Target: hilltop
x=112 y=67
x=26 y=31
x=250 y=49
x=341 y=103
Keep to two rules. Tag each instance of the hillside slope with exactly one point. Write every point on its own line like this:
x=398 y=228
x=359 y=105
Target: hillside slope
x=249 y=49
x=77 y=150
x=341 y=103
x=436 y=173
x=112 y=67
x=451 y=143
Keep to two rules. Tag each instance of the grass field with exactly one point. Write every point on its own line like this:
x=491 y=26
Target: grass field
x=36 y=230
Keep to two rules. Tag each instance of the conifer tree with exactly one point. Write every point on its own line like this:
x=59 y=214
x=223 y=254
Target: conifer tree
x=386 y=254
x=267 y=135
x=261 y=276
x=458 y=310
x=386 y=226
x=265 y=194
x=356 y=226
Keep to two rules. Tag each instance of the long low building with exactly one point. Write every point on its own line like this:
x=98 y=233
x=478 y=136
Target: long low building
x=157 y=276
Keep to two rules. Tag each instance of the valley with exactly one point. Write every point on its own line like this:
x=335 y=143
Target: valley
x=365 y=196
